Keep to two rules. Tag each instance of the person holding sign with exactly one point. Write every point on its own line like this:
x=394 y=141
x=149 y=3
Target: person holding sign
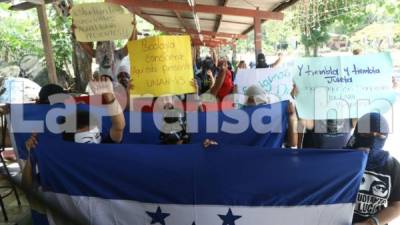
x=378 y=200
x=106 y=54
x=103 y=22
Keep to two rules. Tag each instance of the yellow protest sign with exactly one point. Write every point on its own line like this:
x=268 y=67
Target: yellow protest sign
x=161 y=65
x=101 y=22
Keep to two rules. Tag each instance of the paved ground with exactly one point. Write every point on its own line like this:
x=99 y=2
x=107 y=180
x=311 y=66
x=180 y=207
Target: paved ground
x=16 y=215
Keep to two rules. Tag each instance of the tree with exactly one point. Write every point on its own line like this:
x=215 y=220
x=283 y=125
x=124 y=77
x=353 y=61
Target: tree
x=18 y=37
x=314 y=18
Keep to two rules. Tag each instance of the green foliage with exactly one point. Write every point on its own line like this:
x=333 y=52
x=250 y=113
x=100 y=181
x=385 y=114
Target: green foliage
x=341 y=17
x=60 y=33
x=19 y=35
x=246 y=45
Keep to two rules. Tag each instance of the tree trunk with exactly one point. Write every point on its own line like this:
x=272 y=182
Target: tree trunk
x=6 y=55
x=82 y=64
x=315 y=51
x=307 y=53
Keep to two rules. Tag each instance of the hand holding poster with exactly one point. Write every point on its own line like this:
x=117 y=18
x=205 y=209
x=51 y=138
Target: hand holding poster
x=101 y=22
x=277 y=83
x=161 y=66
x=343 y=87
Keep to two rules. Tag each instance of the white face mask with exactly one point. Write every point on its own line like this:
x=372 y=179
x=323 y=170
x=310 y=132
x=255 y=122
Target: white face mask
x=88 y=137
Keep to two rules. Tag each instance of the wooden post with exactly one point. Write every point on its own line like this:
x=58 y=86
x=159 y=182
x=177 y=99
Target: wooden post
x=135 y=34
x=257 y=35
x=48 y=51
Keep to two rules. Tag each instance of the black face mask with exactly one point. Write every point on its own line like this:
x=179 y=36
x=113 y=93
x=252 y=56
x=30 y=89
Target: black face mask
x=174 y=128
x=372 y=143
x=377 y=157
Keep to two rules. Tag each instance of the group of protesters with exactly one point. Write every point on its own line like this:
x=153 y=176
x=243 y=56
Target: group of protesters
x=216 y=78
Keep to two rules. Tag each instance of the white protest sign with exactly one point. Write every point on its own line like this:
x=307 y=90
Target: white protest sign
x=101 y=22
x=343 y=87
x=277 y=83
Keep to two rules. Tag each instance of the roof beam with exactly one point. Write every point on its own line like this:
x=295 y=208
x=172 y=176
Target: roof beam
x=218 y=23
x=211 y=44
x=178 y=15
x=284 y=5
x=209 y=9
x=279 y=8
x=201 y=19
x=160 y=27
x=149 y=19
x=208 y=33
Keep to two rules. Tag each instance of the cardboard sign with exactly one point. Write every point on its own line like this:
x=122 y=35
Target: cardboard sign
x=161 y=65
x=101 y=22
x=277 y=83
x=343 y=87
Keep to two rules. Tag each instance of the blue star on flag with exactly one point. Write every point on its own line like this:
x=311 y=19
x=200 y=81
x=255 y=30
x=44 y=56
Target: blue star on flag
x=158 y=216
x=229 y=218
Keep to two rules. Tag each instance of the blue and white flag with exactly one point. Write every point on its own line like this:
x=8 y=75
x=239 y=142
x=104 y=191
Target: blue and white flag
x=263 y=126
x=135 y=184
x=245 y=180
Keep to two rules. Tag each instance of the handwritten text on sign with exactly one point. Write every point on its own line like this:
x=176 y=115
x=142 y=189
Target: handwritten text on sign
x=277 y=83
x=161 y=65
x=101 y=22
x=343 y=87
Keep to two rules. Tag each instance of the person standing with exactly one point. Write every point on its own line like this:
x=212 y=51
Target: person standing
x=378 y=199
x=262 y=63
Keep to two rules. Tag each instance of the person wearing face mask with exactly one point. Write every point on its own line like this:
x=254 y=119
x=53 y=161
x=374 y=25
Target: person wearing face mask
x=86 y=124
x=262 y=63
x=83 y=130
x=174 y=132
x=256 y=95
x=378 y=199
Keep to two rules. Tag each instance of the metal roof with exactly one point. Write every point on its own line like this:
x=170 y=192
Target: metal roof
x=217 y=19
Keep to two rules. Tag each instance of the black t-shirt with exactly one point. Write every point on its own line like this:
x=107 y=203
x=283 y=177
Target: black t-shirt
x=328 y=134
x=378 y=188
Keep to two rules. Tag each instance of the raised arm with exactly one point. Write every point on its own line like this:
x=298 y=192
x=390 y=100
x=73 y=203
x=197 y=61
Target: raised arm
x=105 y=88
x=223 y=68
x=276 y=63
x=124 y=50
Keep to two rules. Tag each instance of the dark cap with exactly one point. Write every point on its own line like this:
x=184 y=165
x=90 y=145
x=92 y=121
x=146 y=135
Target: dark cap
x=47 y=91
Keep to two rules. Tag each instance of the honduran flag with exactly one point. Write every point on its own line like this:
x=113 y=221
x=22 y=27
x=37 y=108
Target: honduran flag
x=135 y=184
x=242 y=181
